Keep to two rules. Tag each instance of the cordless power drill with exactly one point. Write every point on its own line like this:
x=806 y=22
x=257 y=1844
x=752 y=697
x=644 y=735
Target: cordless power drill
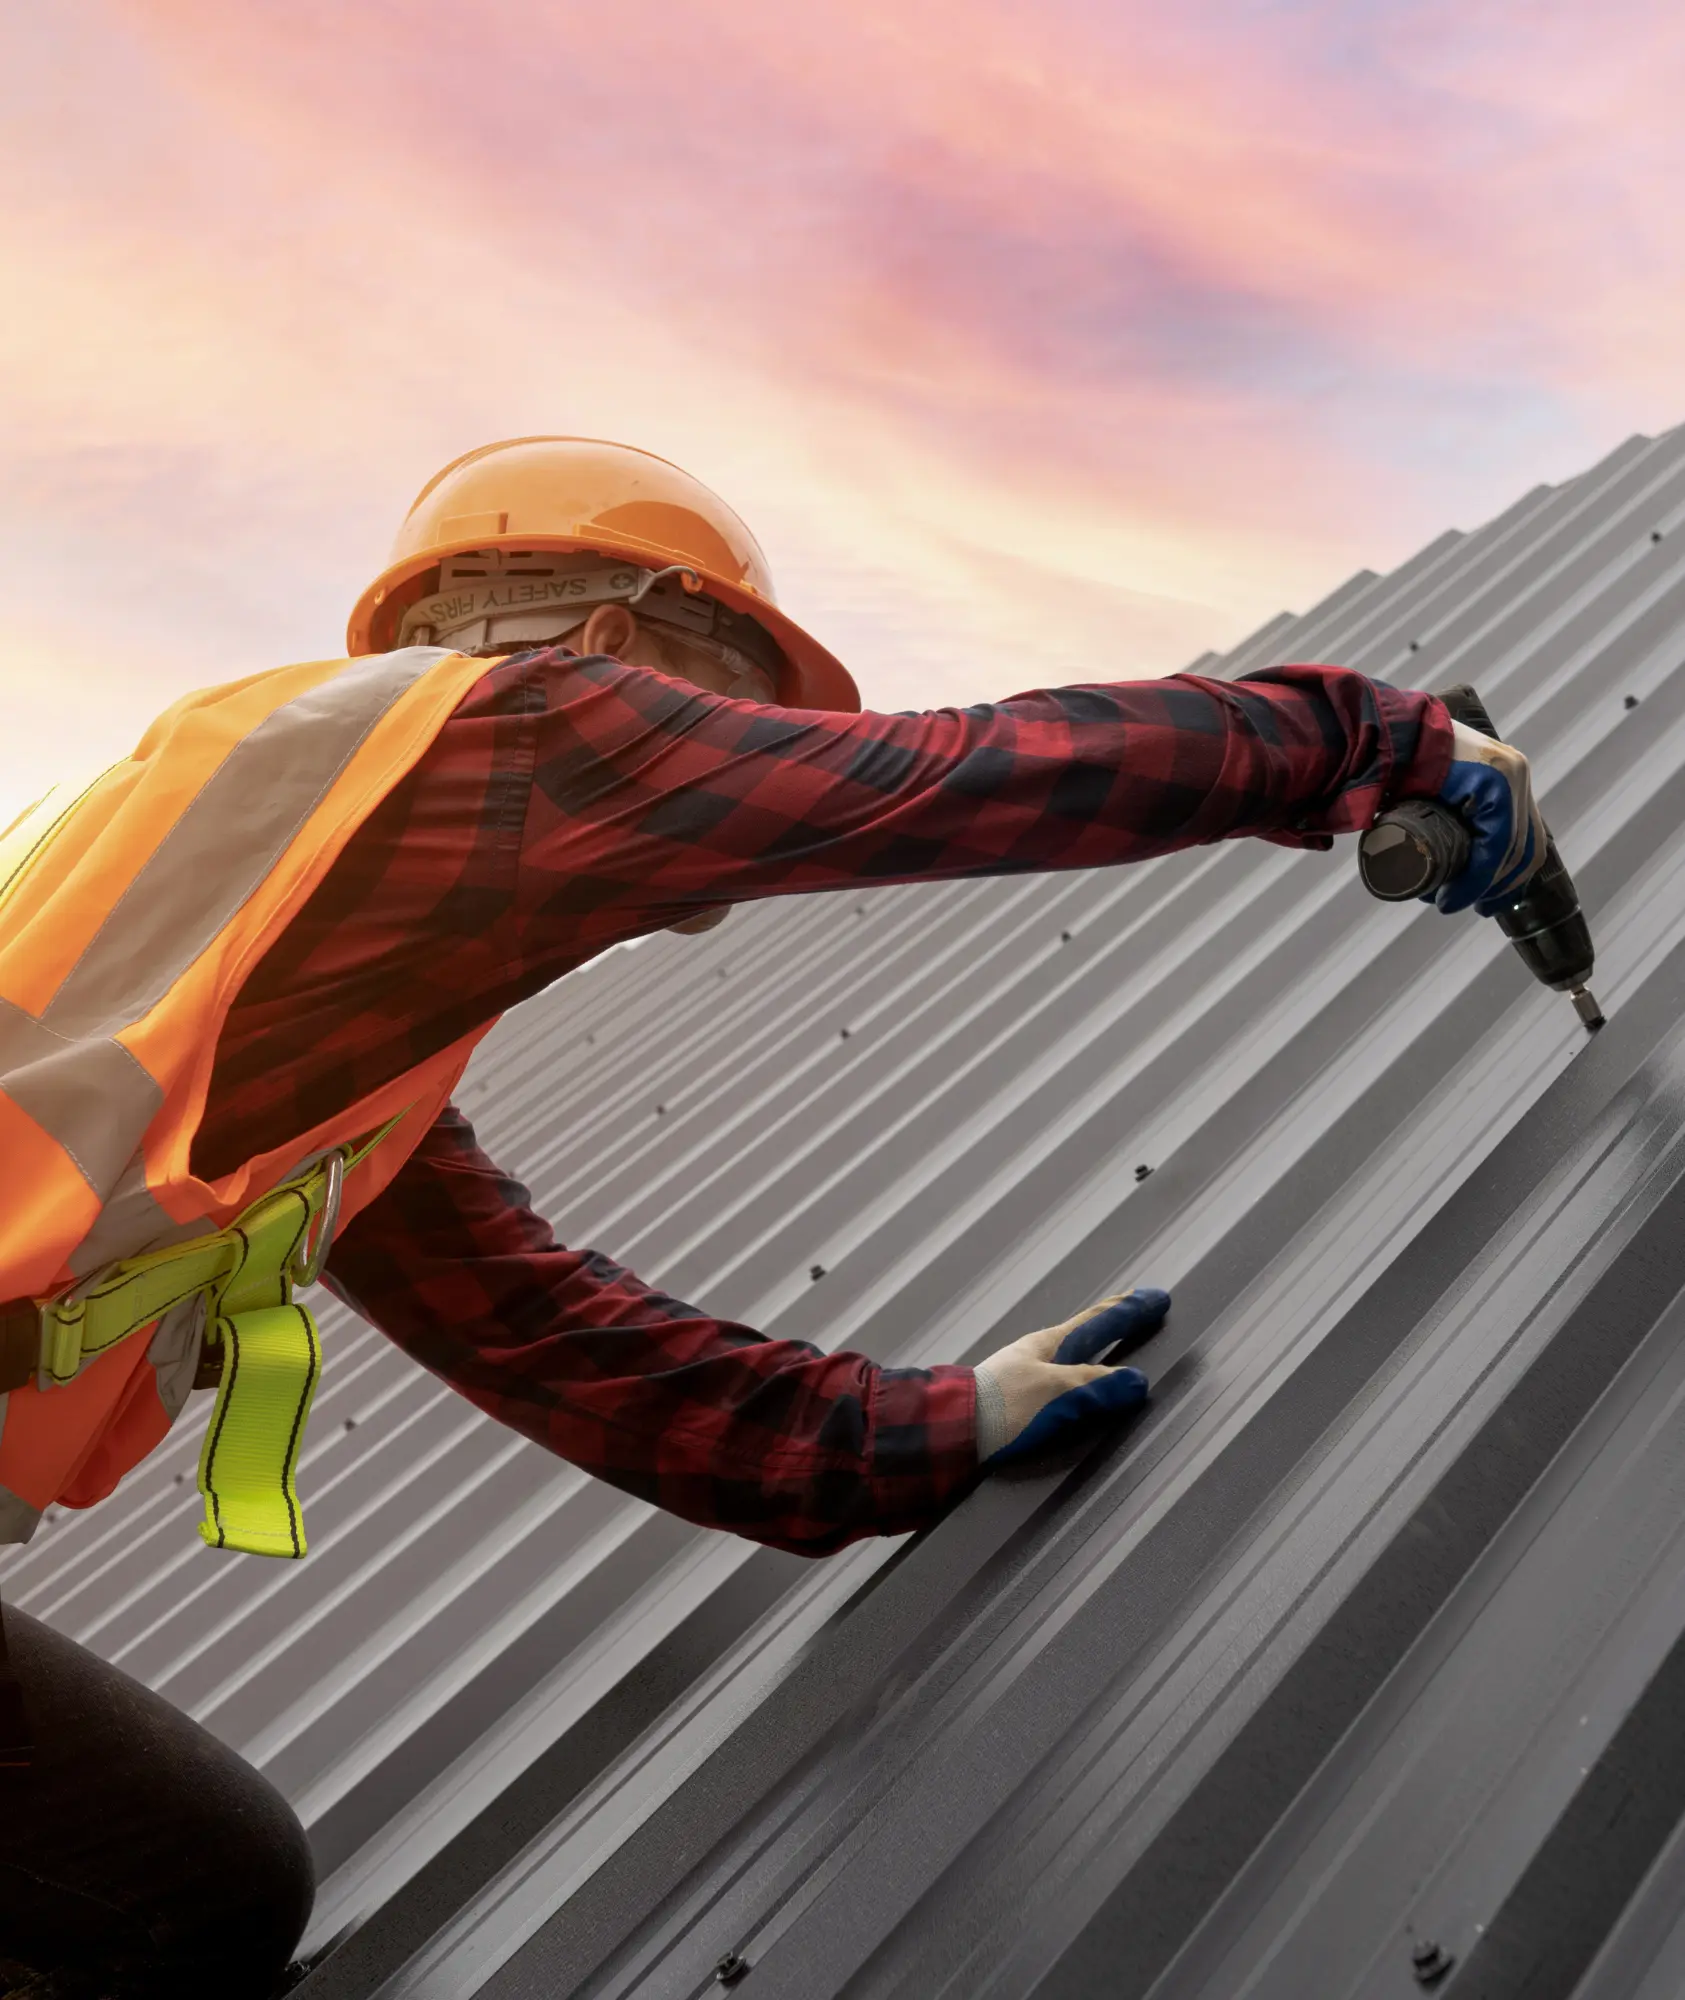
x=1415 y=848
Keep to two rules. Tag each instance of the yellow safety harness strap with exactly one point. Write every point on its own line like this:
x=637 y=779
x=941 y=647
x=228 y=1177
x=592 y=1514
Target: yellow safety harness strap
x=271 y=1349
x=81 y=1326
x=272 y=1363
x=123 y=1298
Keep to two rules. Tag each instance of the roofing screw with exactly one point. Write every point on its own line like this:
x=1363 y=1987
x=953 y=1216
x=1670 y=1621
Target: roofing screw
x=731 y=1968
x=842 y=1034
x=1431 y=1963
x=1415 y=645
x=1064 y=937
x=1631 y=701
x=816 y=1272
x=1141 y=1173
x=350 y=1423
x=1655 y=534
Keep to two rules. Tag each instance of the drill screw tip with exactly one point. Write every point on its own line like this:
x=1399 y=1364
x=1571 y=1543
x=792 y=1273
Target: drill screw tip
x=1587 y=1008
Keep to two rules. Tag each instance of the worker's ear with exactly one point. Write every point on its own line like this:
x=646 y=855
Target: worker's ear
x=609 y=629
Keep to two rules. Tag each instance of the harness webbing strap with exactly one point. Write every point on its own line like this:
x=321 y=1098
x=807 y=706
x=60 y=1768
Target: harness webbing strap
x=271 y=1348
x=125 y=1297
x=272 y=1363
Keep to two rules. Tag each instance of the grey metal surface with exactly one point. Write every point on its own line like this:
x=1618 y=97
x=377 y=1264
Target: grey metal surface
x=1302 y=1672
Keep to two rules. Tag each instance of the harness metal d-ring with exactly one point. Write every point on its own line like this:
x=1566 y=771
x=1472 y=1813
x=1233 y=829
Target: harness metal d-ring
x=307 y=1264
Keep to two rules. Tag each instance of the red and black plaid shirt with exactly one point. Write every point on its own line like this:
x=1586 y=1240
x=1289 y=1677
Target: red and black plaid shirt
x=572 y=803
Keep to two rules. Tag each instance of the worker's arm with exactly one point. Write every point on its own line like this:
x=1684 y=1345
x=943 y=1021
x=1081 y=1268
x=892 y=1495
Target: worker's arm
x=770 y=1439
x=569 y=804
x=650 y=796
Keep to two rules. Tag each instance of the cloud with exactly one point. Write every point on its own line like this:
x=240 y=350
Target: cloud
x=1091 y=332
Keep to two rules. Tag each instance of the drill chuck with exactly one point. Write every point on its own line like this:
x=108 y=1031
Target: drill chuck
x=1416 y=847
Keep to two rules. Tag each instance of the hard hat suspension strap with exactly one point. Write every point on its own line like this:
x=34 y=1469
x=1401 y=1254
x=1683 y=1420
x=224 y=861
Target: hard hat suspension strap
x=509 y=599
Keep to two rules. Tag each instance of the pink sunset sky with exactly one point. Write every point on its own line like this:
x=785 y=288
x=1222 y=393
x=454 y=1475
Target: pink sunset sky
x=1038 y=342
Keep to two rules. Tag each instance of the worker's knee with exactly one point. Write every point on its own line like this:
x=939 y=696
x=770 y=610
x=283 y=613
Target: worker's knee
x=230 y=1920
x=139 y=1855
x=254 y=1895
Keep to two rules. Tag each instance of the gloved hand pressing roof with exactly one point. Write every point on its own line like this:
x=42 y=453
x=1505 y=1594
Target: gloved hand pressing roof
x=1047 y=1388
x=1491 y=786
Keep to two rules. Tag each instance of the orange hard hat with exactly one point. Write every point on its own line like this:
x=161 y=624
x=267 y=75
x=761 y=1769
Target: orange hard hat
x=587 y=496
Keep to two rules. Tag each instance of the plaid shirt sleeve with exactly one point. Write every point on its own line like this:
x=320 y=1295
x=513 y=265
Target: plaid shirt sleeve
x=772 y=1439
x=570 y=804
x=651 y=797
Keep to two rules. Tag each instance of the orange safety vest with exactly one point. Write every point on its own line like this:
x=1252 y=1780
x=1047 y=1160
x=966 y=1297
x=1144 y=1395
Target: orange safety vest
x=129 y=917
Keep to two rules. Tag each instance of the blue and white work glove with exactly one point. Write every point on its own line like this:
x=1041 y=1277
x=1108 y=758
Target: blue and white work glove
x=1048 y=1388
x=1491 y=786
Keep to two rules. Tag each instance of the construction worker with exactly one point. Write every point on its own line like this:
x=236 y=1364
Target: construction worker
x=241 y=974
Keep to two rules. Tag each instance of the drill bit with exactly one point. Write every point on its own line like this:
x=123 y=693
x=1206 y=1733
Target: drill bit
x=1586 y=1007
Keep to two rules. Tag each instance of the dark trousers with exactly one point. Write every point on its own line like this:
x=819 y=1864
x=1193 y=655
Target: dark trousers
x=138 y=1856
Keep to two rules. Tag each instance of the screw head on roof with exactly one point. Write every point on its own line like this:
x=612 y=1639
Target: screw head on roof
x=1431 y=1963
x=1064 y=937
x=1415 y=645
x=731 y=1968
x=1141 y=1173
x=816 y=1272
x=1655 y=534
x=1631 y=701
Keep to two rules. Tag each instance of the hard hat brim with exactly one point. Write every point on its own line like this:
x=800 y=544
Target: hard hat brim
x=812 y=676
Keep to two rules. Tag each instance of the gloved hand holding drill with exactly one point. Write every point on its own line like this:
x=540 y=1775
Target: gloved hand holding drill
x=1491 y=787
x=1482 y=843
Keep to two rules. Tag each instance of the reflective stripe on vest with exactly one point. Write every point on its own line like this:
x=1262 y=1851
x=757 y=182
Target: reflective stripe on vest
x=130 y=913
x=65 y=1067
